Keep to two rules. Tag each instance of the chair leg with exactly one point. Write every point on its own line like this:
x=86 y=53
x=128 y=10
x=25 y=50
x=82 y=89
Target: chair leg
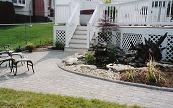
x=32 y=67
x=27 y=65
x=11 y=66
x=15 y=73
x=30 y=63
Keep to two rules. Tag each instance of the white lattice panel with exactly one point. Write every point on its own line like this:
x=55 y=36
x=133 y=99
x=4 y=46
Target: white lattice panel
x=130 y=37
x=169 y=48
x=101 y=40
x=155 y=38
x=60 y=36
x=168 y=56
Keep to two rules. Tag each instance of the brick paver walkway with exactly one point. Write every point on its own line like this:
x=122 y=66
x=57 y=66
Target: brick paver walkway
x=50 y=79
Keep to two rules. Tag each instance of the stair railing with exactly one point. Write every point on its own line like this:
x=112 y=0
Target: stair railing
x=91 y=26
x=72 y=24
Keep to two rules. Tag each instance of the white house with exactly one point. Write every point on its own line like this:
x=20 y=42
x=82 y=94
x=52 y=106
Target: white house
x=31 y=7
x=137 y=19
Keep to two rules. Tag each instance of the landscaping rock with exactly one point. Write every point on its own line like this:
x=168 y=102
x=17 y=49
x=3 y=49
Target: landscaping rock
x=92 y=67
x=119 y=67
x=93 y=71
x=164 y=67
x=70 y=61
x=79 y=56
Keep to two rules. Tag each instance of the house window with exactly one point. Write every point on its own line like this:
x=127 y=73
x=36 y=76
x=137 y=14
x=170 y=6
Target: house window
x=23 y=1
x=14 y=1
x=20 y=1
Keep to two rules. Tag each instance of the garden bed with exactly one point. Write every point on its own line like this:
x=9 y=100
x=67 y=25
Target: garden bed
x=150 y=75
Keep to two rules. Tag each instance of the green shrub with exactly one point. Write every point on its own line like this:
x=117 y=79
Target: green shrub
x=89 y=58
x=59 y=45
x=153 y=75
x=18 y=49
x=112 y=52
x=29 y=47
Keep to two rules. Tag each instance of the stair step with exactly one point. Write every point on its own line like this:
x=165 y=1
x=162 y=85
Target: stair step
x=79 y=50
x=78 y=41
x=81 y=37
x=78 y=32
x=78 y=45
x=82 y=28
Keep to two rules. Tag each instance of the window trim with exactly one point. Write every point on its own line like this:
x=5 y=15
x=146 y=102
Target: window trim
x=20 y=3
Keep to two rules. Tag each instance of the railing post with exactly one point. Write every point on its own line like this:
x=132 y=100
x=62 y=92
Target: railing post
x=149 y=12
x=88 y=35
x=66 y=38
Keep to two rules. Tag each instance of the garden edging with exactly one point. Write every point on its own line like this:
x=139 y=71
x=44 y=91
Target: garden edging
x=117 y=81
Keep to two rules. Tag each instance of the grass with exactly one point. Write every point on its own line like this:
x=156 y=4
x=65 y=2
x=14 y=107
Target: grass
x=38 y=34
x=19 y=99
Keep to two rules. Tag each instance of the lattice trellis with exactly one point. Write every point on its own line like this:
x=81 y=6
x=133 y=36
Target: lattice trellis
x=60 y=36
x=101 y=40
x=154 y=38
x=130 y=37
x=169 y=48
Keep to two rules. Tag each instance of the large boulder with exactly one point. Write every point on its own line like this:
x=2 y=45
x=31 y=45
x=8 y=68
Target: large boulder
x=119 y=67
x=71 y=61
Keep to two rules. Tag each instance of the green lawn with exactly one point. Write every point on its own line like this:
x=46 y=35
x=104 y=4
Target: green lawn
x=38 y=34
x=18 y=99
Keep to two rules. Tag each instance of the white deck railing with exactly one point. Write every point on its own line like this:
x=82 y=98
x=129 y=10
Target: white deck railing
x=72 y=24
x=143 y=12
x=138 y=13
x=91 y=27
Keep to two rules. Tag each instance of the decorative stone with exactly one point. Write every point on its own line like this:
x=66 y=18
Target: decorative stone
x=119 y=67
x=92 y=67
x=79 y=56
x=70 y=61
x=164 y=67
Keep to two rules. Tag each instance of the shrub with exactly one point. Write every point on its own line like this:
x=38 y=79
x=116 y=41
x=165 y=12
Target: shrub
x=153 y=75
x=112 y=53
x=29 y=47
x=102 y=53
x=59 y=45
x=18 y=49
x=150 y=76
x=131 y=75
x=89 y=58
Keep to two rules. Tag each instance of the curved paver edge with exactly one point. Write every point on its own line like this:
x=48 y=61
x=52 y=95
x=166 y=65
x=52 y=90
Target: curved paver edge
x=118 y=81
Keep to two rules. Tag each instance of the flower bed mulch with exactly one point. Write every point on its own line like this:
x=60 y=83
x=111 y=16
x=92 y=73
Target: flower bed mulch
x=164 y=79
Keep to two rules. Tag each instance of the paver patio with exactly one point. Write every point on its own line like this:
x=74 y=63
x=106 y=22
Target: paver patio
x=50 y=79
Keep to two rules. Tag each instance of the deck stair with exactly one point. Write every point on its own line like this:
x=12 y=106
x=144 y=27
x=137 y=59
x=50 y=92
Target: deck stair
x=79 y=40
